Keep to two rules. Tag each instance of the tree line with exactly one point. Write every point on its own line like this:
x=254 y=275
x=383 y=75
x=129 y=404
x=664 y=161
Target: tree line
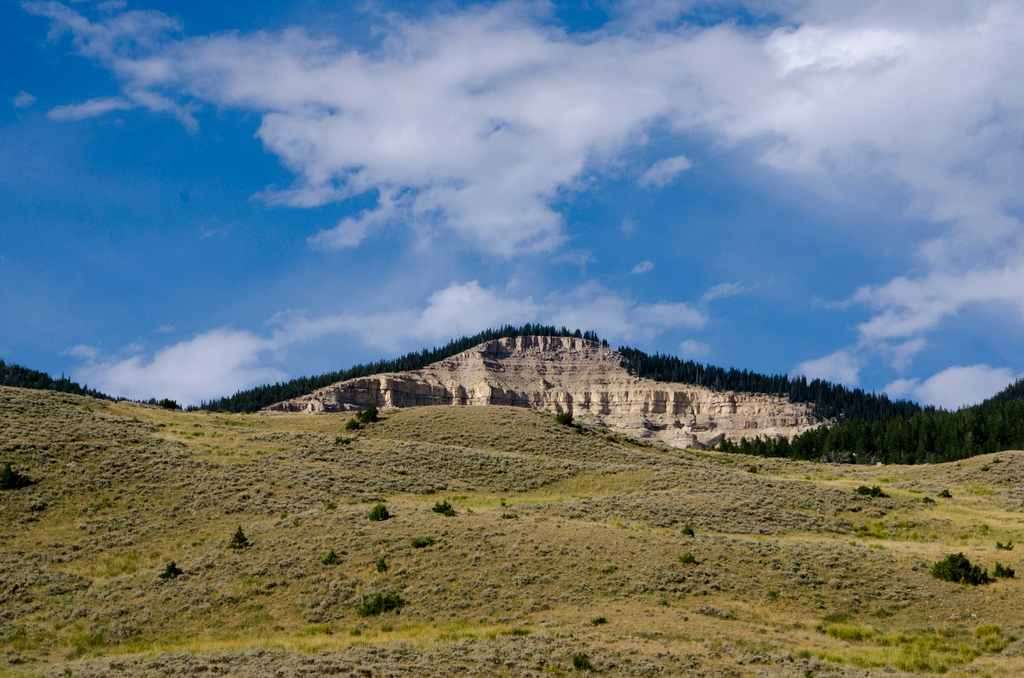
x=829 y=401
x=23 y=377
x=928 y=436
x=254 y=399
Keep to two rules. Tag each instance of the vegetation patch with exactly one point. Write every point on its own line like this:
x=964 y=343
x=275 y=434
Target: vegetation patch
x=171 y=571
x=330 y=558
x=444 y=508
x=379 y=603
x=581 y=662
x=423 y=542
x=239 y=541
x=958 y=568
x=13 y=480
x=380 y=512
x=872 y=491
x=1001 y=571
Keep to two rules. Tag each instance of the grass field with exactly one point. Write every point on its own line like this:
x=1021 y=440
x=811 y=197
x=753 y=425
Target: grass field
x=568 y=551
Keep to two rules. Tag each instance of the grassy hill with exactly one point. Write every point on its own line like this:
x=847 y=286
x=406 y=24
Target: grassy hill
x=565 y=548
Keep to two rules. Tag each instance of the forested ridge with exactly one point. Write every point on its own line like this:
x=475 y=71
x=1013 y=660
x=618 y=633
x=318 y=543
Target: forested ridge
x=830 y=401
x=927 y=436
x=23 y=377
x=255 y=399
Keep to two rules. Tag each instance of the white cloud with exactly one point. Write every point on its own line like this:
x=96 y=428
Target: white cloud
x=644 y=266
x=842 y=366
x=955 y=387
x=89 y=109
x=664 y=171
x=23 y=100
x=724 y=291
x=483 y=119
x=691 y=348
x=213 y=363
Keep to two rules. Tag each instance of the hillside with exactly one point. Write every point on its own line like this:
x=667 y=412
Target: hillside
x=577 y=376
x=565 y=548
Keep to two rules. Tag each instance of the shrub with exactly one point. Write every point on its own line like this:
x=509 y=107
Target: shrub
x=688 y=531
x=444 y=508
x=1008 y=546
x=423 y=542
x=958 y=568
x=12 y=480
x=171 y=571
x=873 y=491
x=564 y=418
x=368 y=416
x=581 y=662
x=380 y=512
x=599 y=621
x=1003 y=571
x=353 y=424
x=330 y=558
x=168 y=404
x=946 y=494
x=379 y=603
x=382 y=565
x=689 y=559
x=239 y=541
x=927 y=500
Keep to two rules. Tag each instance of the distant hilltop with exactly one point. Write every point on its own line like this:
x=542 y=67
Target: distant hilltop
x=569 y=374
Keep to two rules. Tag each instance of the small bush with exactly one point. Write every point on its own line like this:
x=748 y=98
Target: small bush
x=599 y=621
x=330 y=558
x=380 y=512
x=873 y=491
x=368 y=416
x=689 y=559
x=564 y=418
x=927 y=500
x=379 y=603
x=382 y=565
x=444 y=508
x=958 y=568
x=946 y=494
x=581 y=662
x=171 y=571
x=239 y=541
x=12 y=480
x=353 y=424
x=1003 y=571
x=1008 y=546
x=423 y=542
x=688 y=531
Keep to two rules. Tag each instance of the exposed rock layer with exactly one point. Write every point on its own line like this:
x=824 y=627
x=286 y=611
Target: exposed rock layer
x=566 y=374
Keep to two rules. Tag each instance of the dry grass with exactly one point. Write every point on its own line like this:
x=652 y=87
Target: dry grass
x=791 y=571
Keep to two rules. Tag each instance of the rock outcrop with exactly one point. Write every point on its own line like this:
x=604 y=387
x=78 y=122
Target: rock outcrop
x=567 y=374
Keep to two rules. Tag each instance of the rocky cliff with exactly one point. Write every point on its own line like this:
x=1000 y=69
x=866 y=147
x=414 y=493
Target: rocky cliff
x=566 y=374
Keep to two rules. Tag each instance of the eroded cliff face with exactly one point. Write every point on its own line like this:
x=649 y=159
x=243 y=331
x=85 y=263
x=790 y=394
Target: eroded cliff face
x=566 y=374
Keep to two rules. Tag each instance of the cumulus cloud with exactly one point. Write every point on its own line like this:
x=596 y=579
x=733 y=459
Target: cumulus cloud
x=955 y=387
x=664 y=171
x=842 y=366
x=478 y=120
x=644 y=266
x=23 y=100
x=213 y=363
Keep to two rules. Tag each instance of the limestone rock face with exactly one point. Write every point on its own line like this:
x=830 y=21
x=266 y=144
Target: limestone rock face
x=567 y=374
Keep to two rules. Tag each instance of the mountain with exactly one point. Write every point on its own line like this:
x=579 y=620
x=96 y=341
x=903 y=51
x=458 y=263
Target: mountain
x=581 y=377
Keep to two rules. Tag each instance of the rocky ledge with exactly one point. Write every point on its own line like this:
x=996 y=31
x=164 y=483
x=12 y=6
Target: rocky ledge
x=567 y=374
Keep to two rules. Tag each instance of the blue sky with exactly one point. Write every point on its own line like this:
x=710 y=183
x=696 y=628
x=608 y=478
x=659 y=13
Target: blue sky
x=195 y=199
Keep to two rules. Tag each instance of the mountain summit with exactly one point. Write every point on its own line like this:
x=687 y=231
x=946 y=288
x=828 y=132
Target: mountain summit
x=573 y=375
